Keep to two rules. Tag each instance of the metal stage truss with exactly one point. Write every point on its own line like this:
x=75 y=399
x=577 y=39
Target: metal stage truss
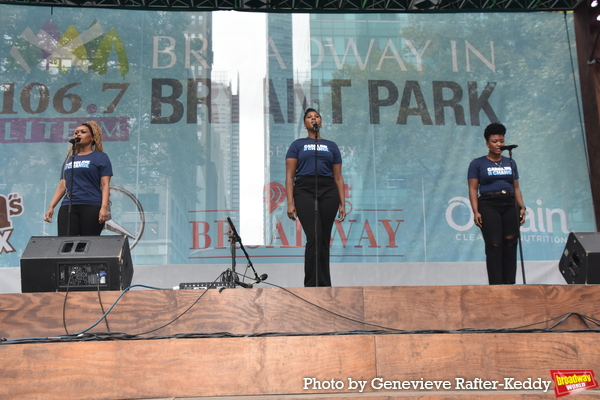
x=316 y=6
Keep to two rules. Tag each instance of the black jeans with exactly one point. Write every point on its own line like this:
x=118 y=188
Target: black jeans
x=328 y=205
x=500 y=230
x=84 y=220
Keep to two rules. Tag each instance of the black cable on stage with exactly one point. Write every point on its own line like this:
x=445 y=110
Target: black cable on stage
x=102 y=307
x=183 y=313
x=329 y=311
x=64 y=318
x=74 y=336
x=113 y=305
x=79 y=334
x=84 y=336
x=562 y=317
x=99 y=300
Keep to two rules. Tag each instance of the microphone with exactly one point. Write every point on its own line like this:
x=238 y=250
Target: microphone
x=260 y=279
x=243 y=284
x=75 y=140
x=509 y=147
x=237 y=281
x=316 y=127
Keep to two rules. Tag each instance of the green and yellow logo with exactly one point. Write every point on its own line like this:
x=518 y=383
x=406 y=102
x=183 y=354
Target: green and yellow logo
x=59 y=53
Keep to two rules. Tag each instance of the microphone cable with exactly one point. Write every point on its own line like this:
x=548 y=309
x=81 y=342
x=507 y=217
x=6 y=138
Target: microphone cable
x=588 y=321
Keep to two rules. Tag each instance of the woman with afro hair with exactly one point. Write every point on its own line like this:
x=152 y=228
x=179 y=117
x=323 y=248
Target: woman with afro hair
x=498 y=208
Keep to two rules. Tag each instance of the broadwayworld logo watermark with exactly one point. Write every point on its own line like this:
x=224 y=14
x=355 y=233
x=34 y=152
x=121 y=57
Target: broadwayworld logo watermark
x=422 y=384
x=571 y=381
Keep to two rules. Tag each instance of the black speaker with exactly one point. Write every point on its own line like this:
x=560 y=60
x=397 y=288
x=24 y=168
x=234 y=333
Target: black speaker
x=580 y=262
x=58 y=263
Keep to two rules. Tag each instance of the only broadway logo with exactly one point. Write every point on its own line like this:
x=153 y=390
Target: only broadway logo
x=571 y=381
x=11 y=206
x=52 y=50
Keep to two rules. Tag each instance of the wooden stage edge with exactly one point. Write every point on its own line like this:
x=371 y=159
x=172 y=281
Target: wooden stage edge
x=299 y=363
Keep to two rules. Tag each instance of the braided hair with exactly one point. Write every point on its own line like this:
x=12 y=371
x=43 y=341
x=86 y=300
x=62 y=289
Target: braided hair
x=96 y=132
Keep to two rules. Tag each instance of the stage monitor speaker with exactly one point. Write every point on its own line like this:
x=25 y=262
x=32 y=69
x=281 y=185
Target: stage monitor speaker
x=580 y=262
x=55 y=263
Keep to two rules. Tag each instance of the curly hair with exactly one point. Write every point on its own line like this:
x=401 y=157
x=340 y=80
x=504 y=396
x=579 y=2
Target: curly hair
x=495 y=128
x=96 y=132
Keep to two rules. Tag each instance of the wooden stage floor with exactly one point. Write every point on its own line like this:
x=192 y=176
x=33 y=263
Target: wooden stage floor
x=304 y=343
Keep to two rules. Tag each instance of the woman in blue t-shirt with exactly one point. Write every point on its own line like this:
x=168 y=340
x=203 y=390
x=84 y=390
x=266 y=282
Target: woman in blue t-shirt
x=300 y=185
x=494 y=210
x=89 y=171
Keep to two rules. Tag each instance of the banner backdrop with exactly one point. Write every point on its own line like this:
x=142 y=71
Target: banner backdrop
x=198 y=109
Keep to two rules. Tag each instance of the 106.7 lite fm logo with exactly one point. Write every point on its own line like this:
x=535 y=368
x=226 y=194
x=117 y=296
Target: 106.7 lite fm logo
x=58 y=54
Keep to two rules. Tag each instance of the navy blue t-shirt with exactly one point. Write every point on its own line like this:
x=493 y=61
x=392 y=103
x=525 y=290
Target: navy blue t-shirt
x=86 y=183
x=492 y=176
x=328 y=154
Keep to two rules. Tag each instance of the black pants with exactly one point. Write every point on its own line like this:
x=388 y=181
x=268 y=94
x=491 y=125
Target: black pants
x=500 y=231
x=84 y=220
x=328 y=205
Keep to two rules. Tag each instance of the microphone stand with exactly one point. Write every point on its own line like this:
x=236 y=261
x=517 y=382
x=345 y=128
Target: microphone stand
x=317 y=242
x=512 y=171
x=235 y=238
x=70 y=195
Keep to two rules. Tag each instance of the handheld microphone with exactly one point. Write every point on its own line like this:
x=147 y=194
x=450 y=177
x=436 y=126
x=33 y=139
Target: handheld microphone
x=260 y=279
x=316 y=127
x=75 y=140
x=509 y=147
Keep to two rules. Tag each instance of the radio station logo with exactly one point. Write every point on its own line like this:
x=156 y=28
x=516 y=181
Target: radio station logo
x=58 y=52
x=274 y=195
x=10 y=206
